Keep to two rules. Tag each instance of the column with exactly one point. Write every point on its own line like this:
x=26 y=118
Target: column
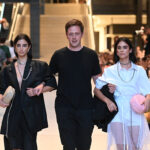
x=148 y=13
x=35 y=27
x=139 y=14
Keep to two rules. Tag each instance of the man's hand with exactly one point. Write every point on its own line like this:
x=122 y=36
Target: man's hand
x=35 y=91
x=39 y=89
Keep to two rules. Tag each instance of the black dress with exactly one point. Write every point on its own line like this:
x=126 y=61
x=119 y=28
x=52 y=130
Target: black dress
x=30 y=110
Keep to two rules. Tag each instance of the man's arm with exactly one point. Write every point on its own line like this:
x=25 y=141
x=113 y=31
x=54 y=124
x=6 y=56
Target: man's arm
x=111 y=106
x=111 y=87
x=41 y=88
x=95 y=77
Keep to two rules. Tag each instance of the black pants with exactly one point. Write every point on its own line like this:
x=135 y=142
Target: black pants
x=75 y=128
x=24 y=139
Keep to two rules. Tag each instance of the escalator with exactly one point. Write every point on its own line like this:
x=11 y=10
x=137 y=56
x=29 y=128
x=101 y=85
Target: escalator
x=6 y=12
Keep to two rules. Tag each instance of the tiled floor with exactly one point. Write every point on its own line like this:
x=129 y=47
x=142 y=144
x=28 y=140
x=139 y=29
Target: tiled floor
x=48 y=139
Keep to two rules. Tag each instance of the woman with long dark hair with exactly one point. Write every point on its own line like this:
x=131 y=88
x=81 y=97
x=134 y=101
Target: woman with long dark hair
x=26 y=114
x=128 y=130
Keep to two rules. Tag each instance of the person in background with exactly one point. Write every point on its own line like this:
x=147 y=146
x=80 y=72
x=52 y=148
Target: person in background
x=10 y=45
x=145 y=35
x=147 y=68
x=26 y=115
x=75 y=65
x=140 y=54
x=4 y=23
x=6 y=50
x=2 y=59
x=128 y=130
x=4 y=28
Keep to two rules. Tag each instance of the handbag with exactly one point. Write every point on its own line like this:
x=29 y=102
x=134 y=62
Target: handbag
x=136 y=103
x=9 y=94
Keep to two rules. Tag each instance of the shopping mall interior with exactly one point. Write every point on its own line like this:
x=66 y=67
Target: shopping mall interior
x=44 y=21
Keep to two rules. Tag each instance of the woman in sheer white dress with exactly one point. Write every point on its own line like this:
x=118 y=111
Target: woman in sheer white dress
x=128 y=130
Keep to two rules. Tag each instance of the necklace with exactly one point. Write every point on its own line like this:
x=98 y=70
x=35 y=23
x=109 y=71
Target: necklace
x=22 y=74
x=21 y=63
x=121 y=77
x=125 y=64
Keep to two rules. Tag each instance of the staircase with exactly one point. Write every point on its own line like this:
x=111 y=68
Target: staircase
x=52 y=26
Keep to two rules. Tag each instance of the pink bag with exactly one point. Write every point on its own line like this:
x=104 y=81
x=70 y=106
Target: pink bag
x=136 y=103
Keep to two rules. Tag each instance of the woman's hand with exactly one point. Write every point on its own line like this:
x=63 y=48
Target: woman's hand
x=3 y=104
x=30 y=92
x=111 y=106
x=35 y=91
x=111 y=87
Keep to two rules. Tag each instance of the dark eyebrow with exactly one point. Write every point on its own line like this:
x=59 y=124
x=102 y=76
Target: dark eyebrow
x=123 y=46
x=22 y=44
x=25 y=44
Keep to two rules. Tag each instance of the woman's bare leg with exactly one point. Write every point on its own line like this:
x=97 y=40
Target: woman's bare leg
x=134 y=136
x=118 y=134
x=121 y=147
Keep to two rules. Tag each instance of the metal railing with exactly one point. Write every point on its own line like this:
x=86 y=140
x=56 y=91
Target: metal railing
x=14 y=19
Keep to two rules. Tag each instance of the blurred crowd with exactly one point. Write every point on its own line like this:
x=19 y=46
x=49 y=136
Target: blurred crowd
x=142 y=49
x=106 y=60
x=7 y=53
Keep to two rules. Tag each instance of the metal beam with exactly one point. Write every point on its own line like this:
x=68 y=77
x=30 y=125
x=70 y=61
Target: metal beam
x=35 y=27
x=139 y=14
x=13 y=1
x=148 y=13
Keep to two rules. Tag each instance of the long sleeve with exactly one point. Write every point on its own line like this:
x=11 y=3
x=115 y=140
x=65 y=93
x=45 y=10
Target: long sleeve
x=49 y=78
x=3 y=81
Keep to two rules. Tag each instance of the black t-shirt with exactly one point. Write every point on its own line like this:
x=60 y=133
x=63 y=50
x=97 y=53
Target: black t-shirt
x=75 y=69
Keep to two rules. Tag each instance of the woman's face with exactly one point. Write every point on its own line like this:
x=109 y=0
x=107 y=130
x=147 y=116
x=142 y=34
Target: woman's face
x=123 y=50
x=22 y=47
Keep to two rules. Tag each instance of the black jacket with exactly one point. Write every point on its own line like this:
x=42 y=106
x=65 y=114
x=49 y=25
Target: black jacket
x=33 y=108
x=102 y=116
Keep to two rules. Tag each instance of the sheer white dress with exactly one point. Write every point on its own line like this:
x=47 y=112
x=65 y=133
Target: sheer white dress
x=128 y=130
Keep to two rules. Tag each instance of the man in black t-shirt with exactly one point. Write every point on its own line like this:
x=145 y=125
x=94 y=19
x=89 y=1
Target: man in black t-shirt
x=75 y=65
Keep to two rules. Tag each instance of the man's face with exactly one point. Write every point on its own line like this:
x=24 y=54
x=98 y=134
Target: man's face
x=74 y=36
